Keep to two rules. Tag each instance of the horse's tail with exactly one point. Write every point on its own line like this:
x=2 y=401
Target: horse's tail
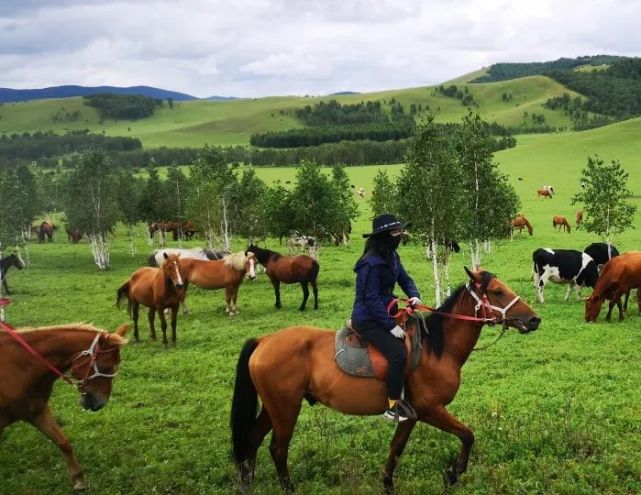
x=122 y=292
x=244 y=406
x=314 y=272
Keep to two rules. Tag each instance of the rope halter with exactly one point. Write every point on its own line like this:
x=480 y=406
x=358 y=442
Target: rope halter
x=484 y=303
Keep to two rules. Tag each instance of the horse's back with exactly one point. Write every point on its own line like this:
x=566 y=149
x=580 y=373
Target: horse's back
x=293 y=269
x=207 y=274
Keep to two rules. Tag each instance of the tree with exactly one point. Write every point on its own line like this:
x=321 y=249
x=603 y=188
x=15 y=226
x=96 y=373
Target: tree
x=245 y=205
x=128 y=191
x=277 y=210
x=92 y=203
x=430 y=195
x=19 y=205
x=603 y=198
x=490 y=200
x=383 y=198
x=347 y=209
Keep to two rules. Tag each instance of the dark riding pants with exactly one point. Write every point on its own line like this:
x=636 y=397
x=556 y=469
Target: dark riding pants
x=394 y=351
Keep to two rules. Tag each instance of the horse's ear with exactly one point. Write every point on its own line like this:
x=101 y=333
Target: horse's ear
x=122 y=330
x=165 y=255
x=473 y=276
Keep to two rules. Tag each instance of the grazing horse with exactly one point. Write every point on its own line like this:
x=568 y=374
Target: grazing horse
x=216 y=274
x=298 y=362
x=74 y=235
x=545 y=193
x=579 y=218
x=361 y=192
x=45 y=229
x=561 y=222
x=6 y=263
x=520 y=222
x=619 y=276
x=300 y=269
x=156 y=288
x=158 y=256
x=32 y=360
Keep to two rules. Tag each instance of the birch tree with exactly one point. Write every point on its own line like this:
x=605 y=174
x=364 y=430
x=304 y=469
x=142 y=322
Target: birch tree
x=604 y=198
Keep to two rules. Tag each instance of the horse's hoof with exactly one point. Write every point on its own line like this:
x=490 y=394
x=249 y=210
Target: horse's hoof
x=449 y=477
x=80 y=485
x=389 y=485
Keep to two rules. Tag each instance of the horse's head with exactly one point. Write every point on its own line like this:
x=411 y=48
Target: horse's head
x=17 y=261
x=593 y=305
x=250 y=265
x=495 y=298
x=171 y=270
x=95 y=368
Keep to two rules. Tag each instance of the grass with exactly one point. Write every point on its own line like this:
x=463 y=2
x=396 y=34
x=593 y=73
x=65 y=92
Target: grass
x=555 y=411
x=195 y=123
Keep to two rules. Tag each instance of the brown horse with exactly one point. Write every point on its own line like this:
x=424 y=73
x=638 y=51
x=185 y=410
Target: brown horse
x=300 y=269
x=74 y=235
x=298 y=362
x=29 y=370
x=45 y=229
x=520 y=222
x=561 y=222
x=156 y=288
x=216 y=274
x=579 y=218
x=545 y=193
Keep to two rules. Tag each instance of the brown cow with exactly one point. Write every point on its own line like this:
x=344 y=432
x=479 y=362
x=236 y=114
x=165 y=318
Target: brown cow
x=619 y=275
x=544 y=193
x=561 y=222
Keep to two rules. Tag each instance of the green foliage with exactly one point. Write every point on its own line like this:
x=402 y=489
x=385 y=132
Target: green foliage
x=278 y=210
x=177 y=190
x=18 y=204
x=129 y=191
x=123 y=107
x=246 y=206
x=333 y=113
x=384 y=196
x=92 y=195
x=603 y=198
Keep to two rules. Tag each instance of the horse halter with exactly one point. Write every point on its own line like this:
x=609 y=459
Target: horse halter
x=92 y=353
x=484 y=303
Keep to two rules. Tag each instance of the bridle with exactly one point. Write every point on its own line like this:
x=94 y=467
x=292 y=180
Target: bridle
x=483 y=303
x=92 y=353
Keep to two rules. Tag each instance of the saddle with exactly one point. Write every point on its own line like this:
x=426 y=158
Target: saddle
x=358 y=358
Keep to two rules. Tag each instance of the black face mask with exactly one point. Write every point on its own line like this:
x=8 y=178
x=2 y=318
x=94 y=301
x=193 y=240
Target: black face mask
x=390 y=242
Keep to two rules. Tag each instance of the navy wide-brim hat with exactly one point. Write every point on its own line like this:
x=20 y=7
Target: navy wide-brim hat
x=385 y=223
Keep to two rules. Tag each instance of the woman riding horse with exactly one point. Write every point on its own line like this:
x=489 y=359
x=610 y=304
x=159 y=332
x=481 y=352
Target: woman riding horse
x=377 y=272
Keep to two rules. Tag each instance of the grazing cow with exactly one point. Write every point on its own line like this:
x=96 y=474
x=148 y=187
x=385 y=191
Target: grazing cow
x=561 y=222
x=563 y=266
x=544 y=193
x=297 y=242
x=619 y=275
x=600 y=253
x=361 y=192
x=579 y=218
x=549 y=188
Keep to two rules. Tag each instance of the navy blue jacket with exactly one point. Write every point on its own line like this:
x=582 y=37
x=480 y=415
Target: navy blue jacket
x=375 y=281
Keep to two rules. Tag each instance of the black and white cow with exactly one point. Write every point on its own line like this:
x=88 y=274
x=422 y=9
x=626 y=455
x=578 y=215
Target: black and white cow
x=563 y=266
x=599 y=253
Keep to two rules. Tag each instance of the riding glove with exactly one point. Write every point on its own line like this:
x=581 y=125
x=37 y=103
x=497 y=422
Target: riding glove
x=414 y=301
x=398 y=332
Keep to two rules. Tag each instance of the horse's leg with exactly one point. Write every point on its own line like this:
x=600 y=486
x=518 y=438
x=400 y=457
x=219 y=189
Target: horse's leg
x=315 y=289
x=185 y=308
x=174 y=318
x=283 y=421
x=135 y=307
x=229 y=309
x=152 y=327
x=625 y=304
x=442 y=419
x=305 y=287
x=163 y=326
x=621 y=311
x=401 y=435
x=261 y=428
x=235 y=298
x=46 y=423
x=276 y=284
x=5 y=286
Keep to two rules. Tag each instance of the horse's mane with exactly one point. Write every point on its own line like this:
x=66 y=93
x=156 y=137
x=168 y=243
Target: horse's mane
x=80 y=327
x=262 y=255
x=434 y=322
x=236 y=260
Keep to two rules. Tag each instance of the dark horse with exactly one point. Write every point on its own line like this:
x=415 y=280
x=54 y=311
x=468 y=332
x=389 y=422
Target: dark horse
x=300 y=269
x=45 y=229
x=6 y=263
x=298 y=362
x=31 y=362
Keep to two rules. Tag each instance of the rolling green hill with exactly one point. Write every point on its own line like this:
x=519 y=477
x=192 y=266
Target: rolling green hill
x=200 y=122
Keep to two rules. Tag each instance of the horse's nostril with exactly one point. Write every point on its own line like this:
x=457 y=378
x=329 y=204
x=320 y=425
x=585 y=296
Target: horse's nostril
x=533 y=323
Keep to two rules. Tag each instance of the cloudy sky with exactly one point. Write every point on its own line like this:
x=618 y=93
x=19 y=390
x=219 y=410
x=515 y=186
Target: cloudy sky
x=278 y=47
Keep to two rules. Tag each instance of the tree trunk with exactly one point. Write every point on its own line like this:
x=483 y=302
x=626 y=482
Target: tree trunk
x=437 y=277
x=225 y=226
x=99 y=244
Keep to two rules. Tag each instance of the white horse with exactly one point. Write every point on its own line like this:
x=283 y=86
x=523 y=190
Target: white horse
x=157 y=257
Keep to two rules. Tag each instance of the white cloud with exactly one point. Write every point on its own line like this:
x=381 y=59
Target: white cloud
x=268 y=47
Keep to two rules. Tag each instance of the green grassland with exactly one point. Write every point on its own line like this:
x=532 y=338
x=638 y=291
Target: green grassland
x=555 y=411
x=195 y=123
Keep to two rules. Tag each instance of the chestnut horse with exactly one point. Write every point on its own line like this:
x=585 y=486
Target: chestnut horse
x=158 y=289
x=298 y=362
x=45 y=229
x=579 y=218
x=32 y=360
x=74 y=235
x=520 y=222
x=545 y=193
x=618 y=277
x=561 y=222
x=216 y=274
x=300 y=269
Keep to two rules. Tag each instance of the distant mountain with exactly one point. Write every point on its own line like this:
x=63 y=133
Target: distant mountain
x=220 y=98
x=9 y=95
x=345 y=93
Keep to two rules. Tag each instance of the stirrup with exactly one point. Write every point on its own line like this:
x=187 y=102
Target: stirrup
x=401 y=411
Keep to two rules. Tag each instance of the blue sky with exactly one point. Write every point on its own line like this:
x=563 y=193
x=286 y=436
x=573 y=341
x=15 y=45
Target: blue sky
x=278 y=47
